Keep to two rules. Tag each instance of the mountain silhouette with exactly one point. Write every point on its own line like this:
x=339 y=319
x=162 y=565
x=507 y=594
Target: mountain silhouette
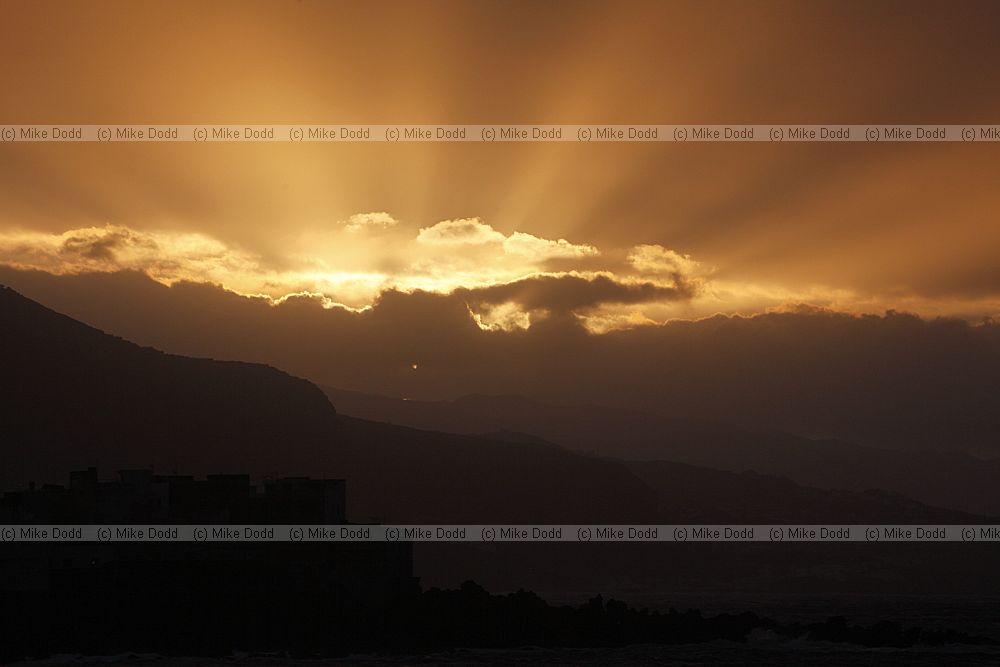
x=693 y=494
x=77 y=397
x=893 y=381
x=942 y=478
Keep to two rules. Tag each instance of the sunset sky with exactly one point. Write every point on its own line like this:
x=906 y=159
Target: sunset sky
x=618 y=235
x=675 y=336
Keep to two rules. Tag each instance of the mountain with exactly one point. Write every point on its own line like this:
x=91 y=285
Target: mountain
x=941 y=478
x=892 y=381
x=692 y=494
x=74 y=396
x=77 y=397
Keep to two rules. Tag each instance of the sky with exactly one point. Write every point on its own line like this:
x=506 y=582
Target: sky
x=617 y=235
x=831 y=290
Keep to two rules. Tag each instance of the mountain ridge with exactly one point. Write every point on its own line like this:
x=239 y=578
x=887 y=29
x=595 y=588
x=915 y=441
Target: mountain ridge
x=77 y=396
x=941 y=478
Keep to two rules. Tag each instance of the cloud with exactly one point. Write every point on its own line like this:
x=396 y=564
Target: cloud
x=655 y=259
x=350 y=270
x=464 y=231
x=501 y=317
x=475 y=232
x=165 y=256
x=507 y=282
x=574 y=293
x=536 y=249
x=102 y=245
x=364 y=221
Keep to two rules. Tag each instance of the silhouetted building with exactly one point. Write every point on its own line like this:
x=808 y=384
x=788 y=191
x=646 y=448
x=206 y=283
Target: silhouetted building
x=140 y=496
x=242 y=595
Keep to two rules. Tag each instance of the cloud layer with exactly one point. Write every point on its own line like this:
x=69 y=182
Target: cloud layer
x=506 y=279
x=164 y=256
x=900 y=225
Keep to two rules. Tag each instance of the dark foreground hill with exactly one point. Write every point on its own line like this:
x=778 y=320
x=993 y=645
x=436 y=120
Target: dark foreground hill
x=76 y=397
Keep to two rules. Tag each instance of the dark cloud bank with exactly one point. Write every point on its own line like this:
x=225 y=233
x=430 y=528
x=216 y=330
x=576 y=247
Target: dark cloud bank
x=565 y=294
x=894 y=380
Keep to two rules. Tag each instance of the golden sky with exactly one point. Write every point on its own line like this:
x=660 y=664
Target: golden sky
x=619 y=235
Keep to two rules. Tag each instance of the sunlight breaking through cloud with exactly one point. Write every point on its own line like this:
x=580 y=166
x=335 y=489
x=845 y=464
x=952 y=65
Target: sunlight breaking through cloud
x=507 y=281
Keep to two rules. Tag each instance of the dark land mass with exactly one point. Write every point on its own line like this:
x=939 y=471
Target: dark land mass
x=892 y=381
x=74 y=397
x=201 y=616
x=943 y=478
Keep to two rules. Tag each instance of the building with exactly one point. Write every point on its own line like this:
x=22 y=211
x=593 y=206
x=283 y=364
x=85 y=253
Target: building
x=198 y=598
